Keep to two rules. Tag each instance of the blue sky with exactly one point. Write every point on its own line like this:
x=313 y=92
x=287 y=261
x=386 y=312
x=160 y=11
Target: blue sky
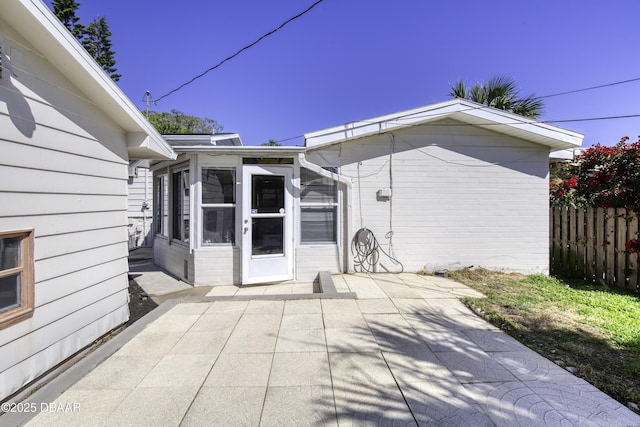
x=349 y=60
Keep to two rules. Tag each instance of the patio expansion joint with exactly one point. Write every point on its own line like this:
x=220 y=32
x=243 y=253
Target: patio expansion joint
x=395 y=380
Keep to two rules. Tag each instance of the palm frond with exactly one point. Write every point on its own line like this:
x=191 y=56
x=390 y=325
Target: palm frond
x=529 y=106
x=458 y=90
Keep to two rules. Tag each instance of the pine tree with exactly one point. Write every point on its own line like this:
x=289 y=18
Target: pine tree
x=97 y=41
x=65 y=11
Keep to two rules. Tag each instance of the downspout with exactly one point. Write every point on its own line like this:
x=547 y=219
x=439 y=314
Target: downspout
x=145 y=207
x=348 y=187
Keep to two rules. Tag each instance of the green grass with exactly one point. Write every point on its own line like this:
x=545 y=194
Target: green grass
x=595 y=329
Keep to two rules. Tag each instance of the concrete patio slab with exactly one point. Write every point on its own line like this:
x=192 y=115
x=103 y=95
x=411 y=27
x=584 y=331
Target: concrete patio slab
x=278 y=360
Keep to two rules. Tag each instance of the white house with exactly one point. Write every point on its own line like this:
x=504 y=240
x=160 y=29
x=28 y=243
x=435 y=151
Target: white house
x=443 y=186
x=67 y=134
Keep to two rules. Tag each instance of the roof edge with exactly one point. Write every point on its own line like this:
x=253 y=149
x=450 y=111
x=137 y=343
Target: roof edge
x=66 y=54
x=459 y=109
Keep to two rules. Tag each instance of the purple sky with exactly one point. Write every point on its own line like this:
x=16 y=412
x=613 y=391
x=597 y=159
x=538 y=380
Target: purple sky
x=349 y=60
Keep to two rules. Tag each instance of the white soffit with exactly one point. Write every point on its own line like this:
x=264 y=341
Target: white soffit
x=41 y=28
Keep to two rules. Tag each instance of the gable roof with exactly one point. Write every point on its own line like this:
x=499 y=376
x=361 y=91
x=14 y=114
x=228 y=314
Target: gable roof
x=457 y=109
x=43 y=30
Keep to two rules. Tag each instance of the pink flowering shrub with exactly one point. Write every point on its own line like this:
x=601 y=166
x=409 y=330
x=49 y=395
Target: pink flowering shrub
x=600 y=177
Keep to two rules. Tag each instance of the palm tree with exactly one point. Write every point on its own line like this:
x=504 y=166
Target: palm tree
x=502 y=93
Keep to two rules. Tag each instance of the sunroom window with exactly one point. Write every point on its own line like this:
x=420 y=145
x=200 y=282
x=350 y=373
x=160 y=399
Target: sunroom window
x=318 y=208
x=161 y=205
x=218 y=206
x=16 y=277
x=180 y=205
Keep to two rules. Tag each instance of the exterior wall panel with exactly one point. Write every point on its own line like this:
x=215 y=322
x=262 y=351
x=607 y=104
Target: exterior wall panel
x=63 y=173
x=461 y=196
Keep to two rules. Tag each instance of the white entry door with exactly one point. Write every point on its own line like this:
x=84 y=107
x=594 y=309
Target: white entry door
x=267 y=226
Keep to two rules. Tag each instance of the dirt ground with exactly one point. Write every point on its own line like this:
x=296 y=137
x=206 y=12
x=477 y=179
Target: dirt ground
x=139 y=302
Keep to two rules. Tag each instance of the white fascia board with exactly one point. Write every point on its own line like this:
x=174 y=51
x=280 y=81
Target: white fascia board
x=379 y=124
x=37 y=23
x=246 y=150
x=554 y=137
x=458 y=109
x=178 y=140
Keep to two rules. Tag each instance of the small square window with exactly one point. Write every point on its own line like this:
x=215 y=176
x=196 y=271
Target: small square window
x=16 y=277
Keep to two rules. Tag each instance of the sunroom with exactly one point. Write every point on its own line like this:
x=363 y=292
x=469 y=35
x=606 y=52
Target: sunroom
x=232 y=214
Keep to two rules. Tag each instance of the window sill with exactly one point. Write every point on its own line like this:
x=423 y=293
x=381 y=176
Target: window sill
x=14 y=316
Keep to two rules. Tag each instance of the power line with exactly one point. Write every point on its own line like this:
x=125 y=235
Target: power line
x=241 y=50
x=590 y=88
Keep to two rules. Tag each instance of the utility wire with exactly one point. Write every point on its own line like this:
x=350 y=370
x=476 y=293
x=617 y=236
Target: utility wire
x=240 y=51
x=590 y=88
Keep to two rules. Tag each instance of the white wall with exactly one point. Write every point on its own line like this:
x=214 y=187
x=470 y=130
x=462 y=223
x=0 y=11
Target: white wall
x=462 y=196
x=63 y=172
x=172 y=256
x=217 y=266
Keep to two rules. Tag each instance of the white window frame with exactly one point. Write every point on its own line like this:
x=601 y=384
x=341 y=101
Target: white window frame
x=334 y=205
x=24 y=309
x=184 y=185
x=161 y=208
x=204 y=206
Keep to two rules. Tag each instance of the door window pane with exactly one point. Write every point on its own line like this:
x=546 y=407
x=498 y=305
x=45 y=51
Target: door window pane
x=267 y=236
x=218 y=225
x=267 y=194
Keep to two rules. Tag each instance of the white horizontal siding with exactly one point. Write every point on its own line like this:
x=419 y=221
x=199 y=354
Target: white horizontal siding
x=217 y=266
x=140 y=190
x=56 y=224
x=310 y=260
x=63 y=172
x=97 y=318
x=22 y=180
x=69 y=315
x=461 y=196
x=171 y=256
x=38 y=204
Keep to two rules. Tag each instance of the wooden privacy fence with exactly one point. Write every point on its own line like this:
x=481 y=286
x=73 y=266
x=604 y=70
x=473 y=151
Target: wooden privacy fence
x=588 y=243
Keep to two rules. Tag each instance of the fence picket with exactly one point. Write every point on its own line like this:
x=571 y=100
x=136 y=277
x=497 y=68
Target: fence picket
x=609 y=246
x=557 y=244
x=590 y=270
x=599 y=260
x=564 y=239
x=633 y=276
x=580 y=244
x=620 y=239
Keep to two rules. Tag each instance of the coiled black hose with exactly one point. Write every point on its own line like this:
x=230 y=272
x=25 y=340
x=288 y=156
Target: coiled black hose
x=365 y=249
